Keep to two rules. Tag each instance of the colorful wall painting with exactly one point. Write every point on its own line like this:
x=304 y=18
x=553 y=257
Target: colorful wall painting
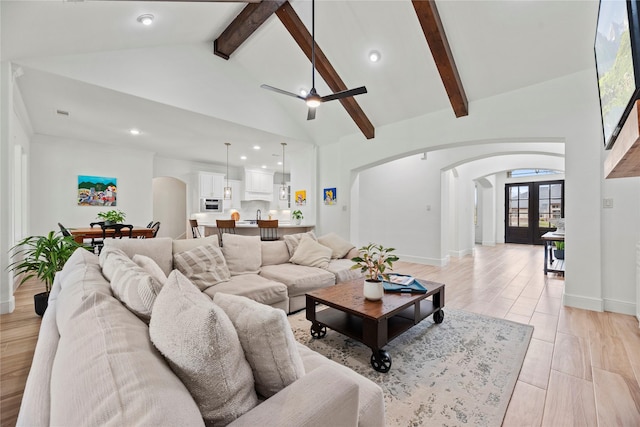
x=301 y=197
x=97 y=191
x=330 y=196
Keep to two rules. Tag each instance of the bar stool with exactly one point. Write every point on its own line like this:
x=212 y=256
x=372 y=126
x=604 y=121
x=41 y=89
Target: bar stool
x=225 y=226
x=195 y=231
x=268 y=229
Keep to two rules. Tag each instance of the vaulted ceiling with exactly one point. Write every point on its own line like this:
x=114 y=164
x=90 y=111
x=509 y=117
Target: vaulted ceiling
x=93 y=59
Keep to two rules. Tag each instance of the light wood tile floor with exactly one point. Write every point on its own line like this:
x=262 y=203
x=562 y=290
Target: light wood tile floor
x=582 y=367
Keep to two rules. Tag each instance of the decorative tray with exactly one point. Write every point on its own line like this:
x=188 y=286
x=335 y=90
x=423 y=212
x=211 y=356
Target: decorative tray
x=403 y=283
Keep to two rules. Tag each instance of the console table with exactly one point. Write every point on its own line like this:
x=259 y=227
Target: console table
x=549 y=261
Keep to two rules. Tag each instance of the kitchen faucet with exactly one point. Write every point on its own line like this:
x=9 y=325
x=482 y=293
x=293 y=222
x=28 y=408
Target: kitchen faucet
x=258 y=215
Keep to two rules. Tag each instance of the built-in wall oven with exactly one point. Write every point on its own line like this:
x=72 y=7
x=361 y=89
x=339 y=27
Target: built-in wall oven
x=210 y=205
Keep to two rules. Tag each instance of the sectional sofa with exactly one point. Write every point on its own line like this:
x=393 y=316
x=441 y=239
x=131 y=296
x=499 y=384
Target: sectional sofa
x=123 y=344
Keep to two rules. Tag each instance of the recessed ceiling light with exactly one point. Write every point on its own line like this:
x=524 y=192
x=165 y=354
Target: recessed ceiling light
x=146 y=19
x=374 y=56
x=264 y=166
x=134 y=132
x=256 y=147
x=279 y=163
x=303 y=92
x=243 y=157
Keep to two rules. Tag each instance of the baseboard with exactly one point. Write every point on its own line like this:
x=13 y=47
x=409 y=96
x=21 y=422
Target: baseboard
x=460 y=254
x=442 y=262
x=617 y=306
x=8 y=306
x=585 y=303
x=488 y=243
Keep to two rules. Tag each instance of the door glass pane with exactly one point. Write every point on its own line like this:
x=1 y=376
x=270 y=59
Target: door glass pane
x=544 y=192
x=513 y=193
x=524 y=192
x=523 y=205
x=543 y=207
x=513 y=220
x=543 y=222
x=556 y=191
x=524 y=220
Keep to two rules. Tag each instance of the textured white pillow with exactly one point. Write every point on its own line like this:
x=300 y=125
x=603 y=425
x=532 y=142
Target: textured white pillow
x=130 y=284
x=203 y=265
x=151 y=267
x=311 y=254
x=242 y=253
x=337 y=244
x=181 y=245
x=293 y=240
x=267 y=341
x=202 y=347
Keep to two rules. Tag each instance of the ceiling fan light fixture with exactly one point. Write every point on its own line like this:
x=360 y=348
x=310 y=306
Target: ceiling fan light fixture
x=146 y=19
x=313 y=101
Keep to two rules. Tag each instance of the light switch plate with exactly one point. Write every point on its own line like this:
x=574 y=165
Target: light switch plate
x=607 y=203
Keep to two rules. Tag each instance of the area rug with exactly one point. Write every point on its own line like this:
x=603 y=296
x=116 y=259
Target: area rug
x=461 y=372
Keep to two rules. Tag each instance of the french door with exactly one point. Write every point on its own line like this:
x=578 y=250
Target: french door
x=530 y=208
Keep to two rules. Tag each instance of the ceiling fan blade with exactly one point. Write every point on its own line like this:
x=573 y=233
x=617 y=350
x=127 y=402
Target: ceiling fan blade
x=311 y=114
x=345 y=94
x=284 y=92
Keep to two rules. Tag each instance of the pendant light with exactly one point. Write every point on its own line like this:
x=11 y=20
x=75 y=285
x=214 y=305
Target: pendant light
x=227 y=189
x=284 y=191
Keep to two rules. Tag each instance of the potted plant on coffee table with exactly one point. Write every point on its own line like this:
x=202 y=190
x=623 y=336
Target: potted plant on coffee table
x=297 y=216
x=113 y=216
x=43 y=257
x=373 y=261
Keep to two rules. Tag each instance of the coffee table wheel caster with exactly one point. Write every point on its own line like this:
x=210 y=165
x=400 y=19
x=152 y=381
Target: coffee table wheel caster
x=381 y=361
x=318 y=331
x=438 y=316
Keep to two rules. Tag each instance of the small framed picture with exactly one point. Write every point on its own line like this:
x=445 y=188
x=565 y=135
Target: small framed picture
x=330 y=196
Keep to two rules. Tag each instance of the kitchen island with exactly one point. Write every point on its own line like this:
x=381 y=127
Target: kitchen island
x=247 y=228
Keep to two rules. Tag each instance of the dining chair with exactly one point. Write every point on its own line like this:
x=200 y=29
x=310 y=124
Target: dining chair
x=268 y=229
x=156 y=228
x=225 y=226
x=97 y=242
x=118 y=230
x=65 y=232
x=85 y=242
x=195 y=231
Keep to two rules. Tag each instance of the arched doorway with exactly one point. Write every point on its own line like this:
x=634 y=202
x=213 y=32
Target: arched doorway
x=170 y=206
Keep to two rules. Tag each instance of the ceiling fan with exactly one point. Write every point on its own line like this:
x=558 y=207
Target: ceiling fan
x=312 y=99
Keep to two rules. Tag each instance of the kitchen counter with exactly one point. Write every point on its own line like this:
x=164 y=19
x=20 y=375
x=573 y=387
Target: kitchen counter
x=247 y=229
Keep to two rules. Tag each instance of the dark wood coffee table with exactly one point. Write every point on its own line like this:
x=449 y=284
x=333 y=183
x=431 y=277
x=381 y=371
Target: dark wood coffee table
x=373 y=323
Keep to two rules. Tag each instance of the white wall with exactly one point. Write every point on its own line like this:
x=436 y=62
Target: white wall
x=55 y=166
x=522 y=116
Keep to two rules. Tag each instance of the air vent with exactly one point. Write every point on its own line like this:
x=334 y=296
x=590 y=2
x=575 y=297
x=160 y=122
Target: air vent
x=62 y=113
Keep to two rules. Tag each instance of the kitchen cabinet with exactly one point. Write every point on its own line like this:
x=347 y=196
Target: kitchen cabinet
x=211 y=185
x=258 y=184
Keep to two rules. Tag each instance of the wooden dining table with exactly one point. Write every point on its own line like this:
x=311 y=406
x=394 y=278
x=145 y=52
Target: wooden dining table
x=79 y=234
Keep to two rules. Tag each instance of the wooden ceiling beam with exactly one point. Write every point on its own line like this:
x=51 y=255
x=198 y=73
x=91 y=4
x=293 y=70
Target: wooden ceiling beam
x=433 y=30
x=248 y=20
x=301 y=35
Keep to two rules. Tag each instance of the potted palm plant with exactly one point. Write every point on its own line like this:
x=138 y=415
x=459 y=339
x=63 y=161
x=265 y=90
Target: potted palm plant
x=373 y=261
x=43 y=257
x=113 y=216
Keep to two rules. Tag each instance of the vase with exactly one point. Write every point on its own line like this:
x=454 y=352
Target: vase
x=41 y=301
x=297 y=221
x=373 y=290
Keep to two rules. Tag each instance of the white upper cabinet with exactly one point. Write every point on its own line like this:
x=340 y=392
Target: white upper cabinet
x=211 y=185
x=258 y=184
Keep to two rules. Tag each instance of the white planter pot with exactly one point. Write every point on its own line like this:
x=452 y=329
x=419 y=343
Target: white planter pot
x=373 y=290
x=297 y=221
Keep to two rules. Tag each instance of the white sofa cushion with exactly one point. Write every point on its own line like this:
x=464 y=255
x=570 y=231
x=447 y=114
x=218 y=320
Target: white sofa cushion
x=130 y=284
x=339 y=246
x=292 y=240
x=202 y=347
x=252 y=286
x=298 y=278
x=274 y=252
x=341 y=268
x=151 y=267
x=203 y=265
x=158 y=249
x=107 y=372
x=181 y=245
x=311 y=253
x=267 y=341
x=242 y=253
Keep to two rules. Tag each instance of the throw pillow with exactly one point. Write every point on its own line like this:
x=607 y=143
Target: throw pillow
x=151 y=267
x=181 y=245
x=242 y=253
x=203 y=265
x=130 y=284
x=267 y=341
x=293 y=240
x=202 y=347
x=311 y=254
x=339 y=246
